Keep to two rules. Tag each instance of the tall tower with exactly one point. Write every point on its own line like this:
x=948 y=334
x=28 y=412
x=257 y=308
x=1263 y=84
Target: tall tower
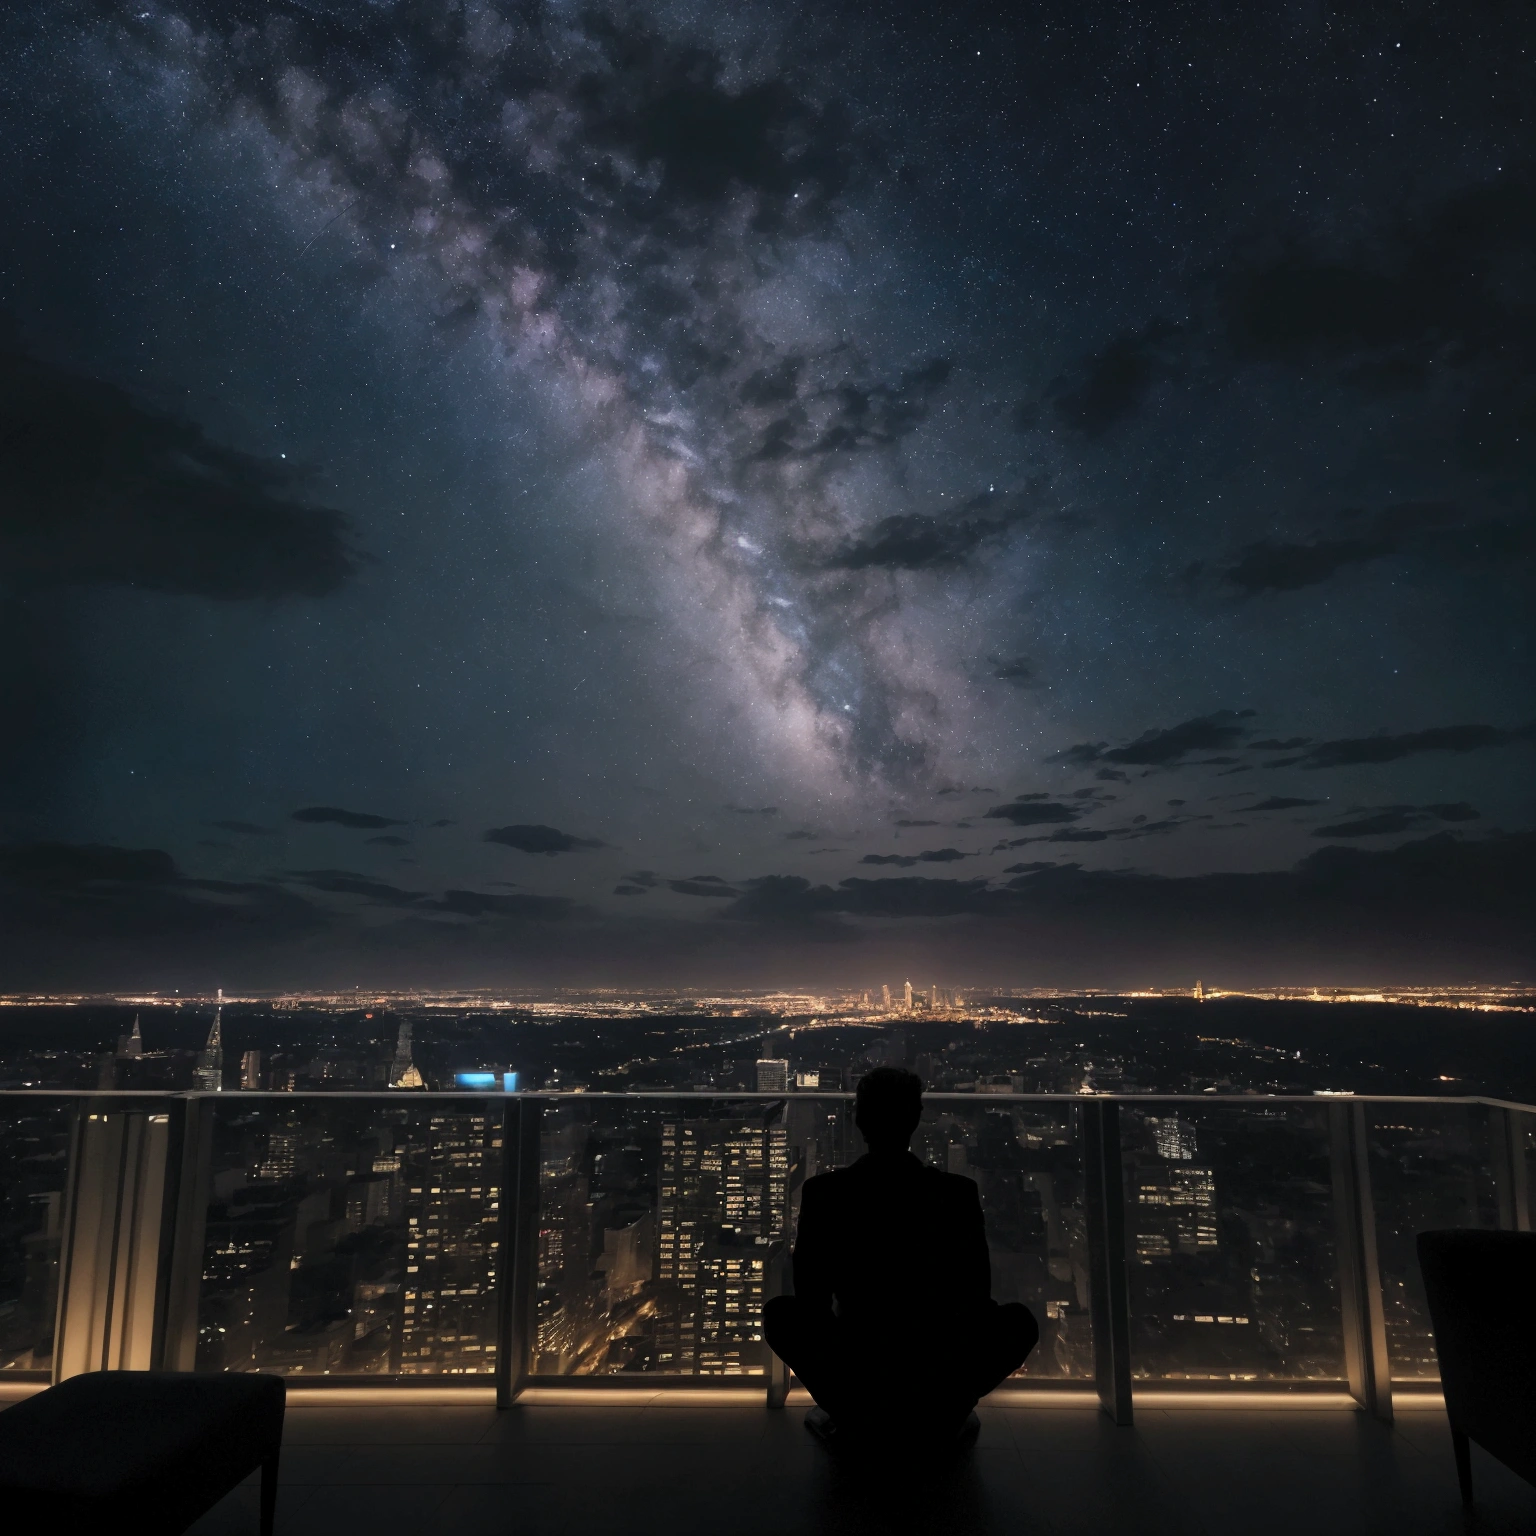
x=208 y=1075
x=131 y=1045
x=721 y=1208
x=885 y=998
x=452 y=1172
x=1199 y=991
x=772 y=1075
x=908 y=997
x=404 y=1073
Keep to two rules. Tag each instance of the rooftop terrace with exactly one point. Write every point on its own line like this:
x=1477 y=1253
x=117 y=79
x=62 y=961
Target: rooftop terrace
x=703 y=1463
x=1234 y=1334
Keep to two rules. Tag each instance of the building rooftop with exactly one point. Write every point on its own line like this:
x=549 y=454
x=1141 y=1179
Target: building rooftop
x=678 y=1463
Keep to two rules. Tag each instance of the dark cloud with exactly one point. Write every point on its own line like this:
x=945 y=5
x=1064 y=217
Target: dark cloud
x=1117 y=380
x=1273 y=745
x=1018 y=670
x=1444 y=893
x=1270 y=567
x=709 y=141
x=1450 y=285
x=629 y=890
x=97 y=489
x=801 y=836
x=341 y=818
x=1158 y=748
x=81 y=864
x=912 y=821
x=907 y=860
x=1389 y=749
x=538 y=839
x=1398 y=818
x=849 y=415
x=64 y=906
x=754 y=810
x=1281 y=803
x=703 y=885
x=648 y=878
x=775 y=385
x=793 y=899
x=245 y=828
x=344 y=882
x=1033 y=810
x=1436 y=530
x=480 y=904
x=1443 y=292
x=919 y=541
x=387 y=840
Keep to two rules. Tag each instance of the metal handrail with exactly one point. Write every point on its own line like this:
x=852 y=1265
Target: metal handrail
x=558 y=1096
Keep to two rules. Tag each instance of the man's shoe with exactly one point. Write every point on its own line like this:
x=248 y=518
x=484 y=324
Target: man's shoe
x=821 y=1424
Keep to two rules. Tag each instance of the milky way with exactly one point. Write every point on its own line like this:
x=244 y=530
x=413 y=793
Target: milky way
x=740 y=442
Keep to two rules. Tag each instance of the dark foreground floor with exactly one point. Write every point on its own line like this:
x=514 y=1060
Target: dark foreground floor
x=724 y=1465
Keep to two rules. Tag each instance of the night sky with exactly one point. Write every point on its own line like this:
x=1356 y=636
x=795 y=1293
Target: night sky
x=763 y=494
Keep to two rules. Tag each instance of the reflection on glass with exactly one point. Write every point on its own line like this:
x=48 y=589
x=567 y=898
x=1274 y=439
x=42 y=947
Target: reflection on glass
x=1430 y=1168
x=34 y=1155
x=1230 y=1249
x=1027 y=1160
x=659 y=1229
x=352 y=1238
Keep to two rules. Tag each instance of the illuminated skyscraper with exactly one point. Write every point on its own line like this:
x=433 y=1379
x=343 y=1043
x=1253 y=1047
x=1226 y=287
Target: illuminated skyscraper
x=250 y=1070
x=131 y=1046
x=908 y=997
x=208 y=1075
x=1175 y=1211
x=1174 y=1139
x=772 y=1076
x=885 y=998
x=452 y=1198
x=722 y=1207
x=403 y=1072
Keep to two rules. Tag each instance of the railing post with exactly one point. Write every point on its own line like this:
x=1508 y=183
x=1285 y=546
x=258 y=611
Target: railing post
x=1360 y=1302
x=1109 y=1291
x=1506 y=1138
x=517 y=1276
x=777 y=1372
x=187 y=1185
x=113 y=1242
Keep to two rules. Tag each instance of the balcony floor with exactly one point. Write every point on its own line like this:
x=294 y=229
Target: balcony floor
x=679 y=1464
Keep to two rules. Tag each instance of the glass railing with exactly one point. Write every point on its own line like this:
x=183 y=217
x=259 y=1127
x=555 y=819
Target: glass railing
x=580 y=1238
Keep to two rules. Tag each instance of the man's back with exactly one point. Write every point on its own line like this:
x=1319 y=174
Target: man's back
x=889 y=1239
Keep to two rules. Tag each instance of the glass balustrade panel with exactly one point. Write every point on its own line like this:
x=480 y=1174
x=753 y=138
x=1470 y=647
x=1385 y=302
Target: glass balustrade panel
x=1026 y=1157
x=34 y=1160
x=1231 y=1259
x=351 y=1237
x=663 y=1227
x=1431 y=1167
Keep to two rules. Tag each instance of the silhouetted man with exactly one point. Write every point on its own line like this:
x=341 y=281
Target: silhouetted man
x=892 y=1327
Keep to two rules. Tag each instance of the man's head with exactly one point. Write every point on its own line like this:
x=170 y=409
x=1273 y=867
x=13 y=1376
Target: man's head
x=887 y=1106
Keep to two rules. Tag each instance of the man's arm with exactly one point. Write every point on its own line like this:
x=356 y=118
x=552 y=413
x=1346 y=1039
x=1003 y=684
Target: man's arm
x=812 y=1257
